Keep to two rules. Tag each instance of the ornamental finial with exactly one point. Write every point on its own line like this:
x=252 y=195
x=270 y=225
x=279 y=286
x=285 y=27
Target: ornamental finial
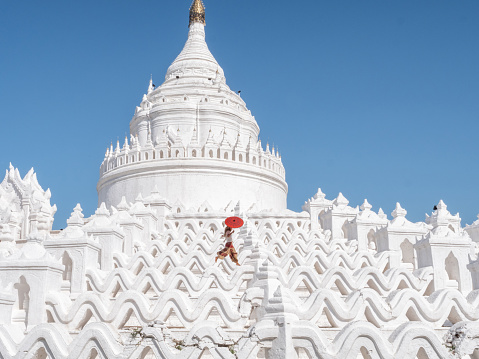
x=197 y=12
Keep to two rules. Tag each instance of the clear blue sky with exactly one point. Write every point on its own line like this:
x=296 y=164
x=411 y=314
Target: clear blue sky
x=376 y=99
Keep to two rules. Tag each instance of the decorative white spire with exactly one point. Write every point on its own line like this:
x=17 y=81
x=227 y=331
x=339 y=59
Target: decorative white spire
x=194 y=138
x=151 y=86
x=366 y=206
x=149 y=142
x=178 y=139
x=381 y=214
x=399 y=211
x=341 y=201
x=123 y=205
x=224 y=141
x=210 y=139
x=441 y=205
x=238 y=144
x=136 y=143
x=76 y=217
x=319 y=195
x=139 y=198
x=163 y=140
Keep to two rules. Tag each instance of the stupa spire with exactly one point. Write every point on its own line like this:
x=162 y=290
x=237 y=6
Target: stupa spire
x=197 y=12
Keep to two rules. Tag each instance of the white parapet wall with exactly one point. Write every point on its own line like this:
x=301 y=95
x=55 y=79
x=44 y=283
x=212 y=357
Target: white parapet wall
x=194 y=181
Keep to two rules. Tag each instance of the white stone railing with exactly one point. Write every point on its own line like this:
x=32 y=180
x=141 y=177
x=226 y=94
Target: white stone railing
x=132 y=154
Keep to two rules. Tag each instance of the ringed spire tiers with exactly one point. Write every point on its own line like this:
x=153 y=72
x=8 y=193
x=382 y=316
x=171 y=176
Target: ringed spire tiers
x=197 y=12
x=195 y=60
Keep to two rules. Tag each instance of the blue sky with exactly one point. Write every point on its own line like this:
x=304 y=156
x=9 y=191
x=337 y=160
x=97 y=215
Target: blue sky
x=376 y=99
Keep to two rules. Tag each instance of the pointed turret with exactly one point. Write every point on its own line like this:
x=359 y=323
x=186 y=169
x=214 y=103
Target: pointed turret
x=238 y=144
x=398 y=211
x=178 y=139
x=197 y=12
x=163 y=140
x=224 y=141
x=210 y=139
x=151 y=86
x=136 y=144
x=341 y=201
x=381 y=214
x=149 y=142
x=366 y=206
x=194 y=138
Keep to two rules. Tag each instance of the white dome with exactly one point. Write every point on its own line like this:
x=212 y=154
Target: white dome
x=195 y=140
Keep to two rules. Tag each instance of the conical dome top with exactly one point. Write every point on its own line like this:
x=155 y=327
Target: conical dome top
x=195 y=60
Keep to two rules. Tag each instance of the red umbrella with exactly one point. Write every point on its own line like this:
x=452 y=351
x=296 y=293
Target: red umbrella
x=234 y=222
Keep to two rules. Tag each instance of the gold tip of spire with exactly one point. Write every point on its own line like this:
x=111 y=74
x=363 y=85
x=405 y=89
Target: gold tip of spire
x=197 y=12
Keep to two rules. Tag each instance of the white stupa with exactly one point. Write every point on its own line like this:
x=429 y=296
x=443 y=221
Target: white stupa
x=138 y=279
x=194 y=140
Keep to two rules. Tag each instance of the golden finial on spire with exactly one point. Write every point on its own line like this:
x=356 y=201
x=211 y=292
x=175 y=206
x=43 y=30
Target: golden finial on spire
x=197 y=12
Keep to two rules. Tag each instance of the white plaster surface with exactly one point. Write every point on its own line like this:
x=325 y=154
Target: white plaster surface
x=138 y=278
x=195 y=140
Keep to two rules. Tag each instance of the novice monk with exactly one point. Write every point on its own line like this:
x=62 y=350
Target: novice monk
x=228 y=249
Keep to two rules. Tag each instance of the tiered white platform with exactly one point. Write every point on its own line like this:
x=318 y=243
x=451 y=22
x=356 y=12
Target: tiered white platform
x=140 y=281
x=138 y=278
